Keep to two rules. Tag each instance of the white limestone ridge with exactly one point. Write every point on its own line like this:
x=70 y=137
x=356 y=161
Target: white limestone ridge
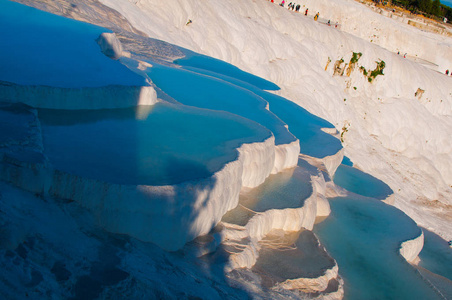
x=105 y=97
x=110 y=45
x=410 y=249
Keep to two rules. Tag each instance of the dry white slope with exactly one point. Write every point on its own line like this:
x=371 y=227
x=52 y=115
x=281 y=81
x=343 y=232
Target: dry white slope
x=392 y=134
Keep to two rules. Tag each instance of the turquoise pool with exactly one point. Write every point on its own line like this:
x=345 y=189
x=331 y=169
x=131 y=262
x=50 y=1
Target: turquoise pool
x=171 y=144
x=304 y=125
x=364 y=236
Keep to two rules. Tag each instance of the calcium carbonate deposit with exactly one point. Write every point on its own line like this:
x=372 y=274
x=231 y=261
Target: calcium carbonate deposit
x=229 y=149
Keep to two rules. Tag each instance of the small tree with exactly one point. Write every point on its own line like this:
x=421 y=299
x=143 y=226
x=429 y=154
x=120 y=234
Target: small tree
x=436 y=11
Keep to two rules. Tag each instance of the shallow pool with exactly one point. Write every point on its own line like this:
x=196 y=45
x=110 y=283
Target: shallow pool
x=199 y=90
x=287 y=189
x=304 y=125
x=156 y=145
x=364 y=236
x=291 y=256
x=361 y=183
x=202 y=62
x=436 y=256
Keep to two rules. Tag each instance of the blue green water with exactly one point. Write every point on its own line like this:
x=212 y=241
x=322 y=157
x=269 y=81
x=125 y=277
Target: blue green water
x=203 y=62
x=346 y=161
x=304 y=125
x=203 y=91
x=45 y=49
x=436 y=256
x=170 y=144
x=361 y=183
x=364 y=236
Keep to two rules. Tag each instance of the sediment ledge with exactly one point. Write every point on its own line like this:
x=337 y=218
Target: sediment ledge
x=317 y=284
x=410 y=249
x=104 y=97
x=332 y=162
x=286 y=156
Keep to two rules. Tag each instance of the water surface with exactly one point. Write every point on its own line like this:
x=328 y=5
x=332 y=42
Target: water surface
x=168 y=145
x=364 y=236
x=361 y=183
x=304 y=125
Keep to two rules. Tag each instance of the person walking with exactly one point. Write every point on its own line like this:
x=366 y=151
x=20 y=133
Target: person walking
x=306 y=12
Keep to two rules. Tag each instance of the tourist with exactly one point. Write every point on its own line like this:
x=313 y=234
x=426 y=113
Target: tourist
x=306 y=12
x=316 y=16
x=297 y=9
x=282 y=3
x=447 y=72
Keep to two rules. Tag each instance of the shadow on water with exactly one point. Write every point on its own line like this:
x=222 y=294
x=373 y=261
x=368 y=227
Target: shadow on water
x=172 y=144
x=82 y=139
